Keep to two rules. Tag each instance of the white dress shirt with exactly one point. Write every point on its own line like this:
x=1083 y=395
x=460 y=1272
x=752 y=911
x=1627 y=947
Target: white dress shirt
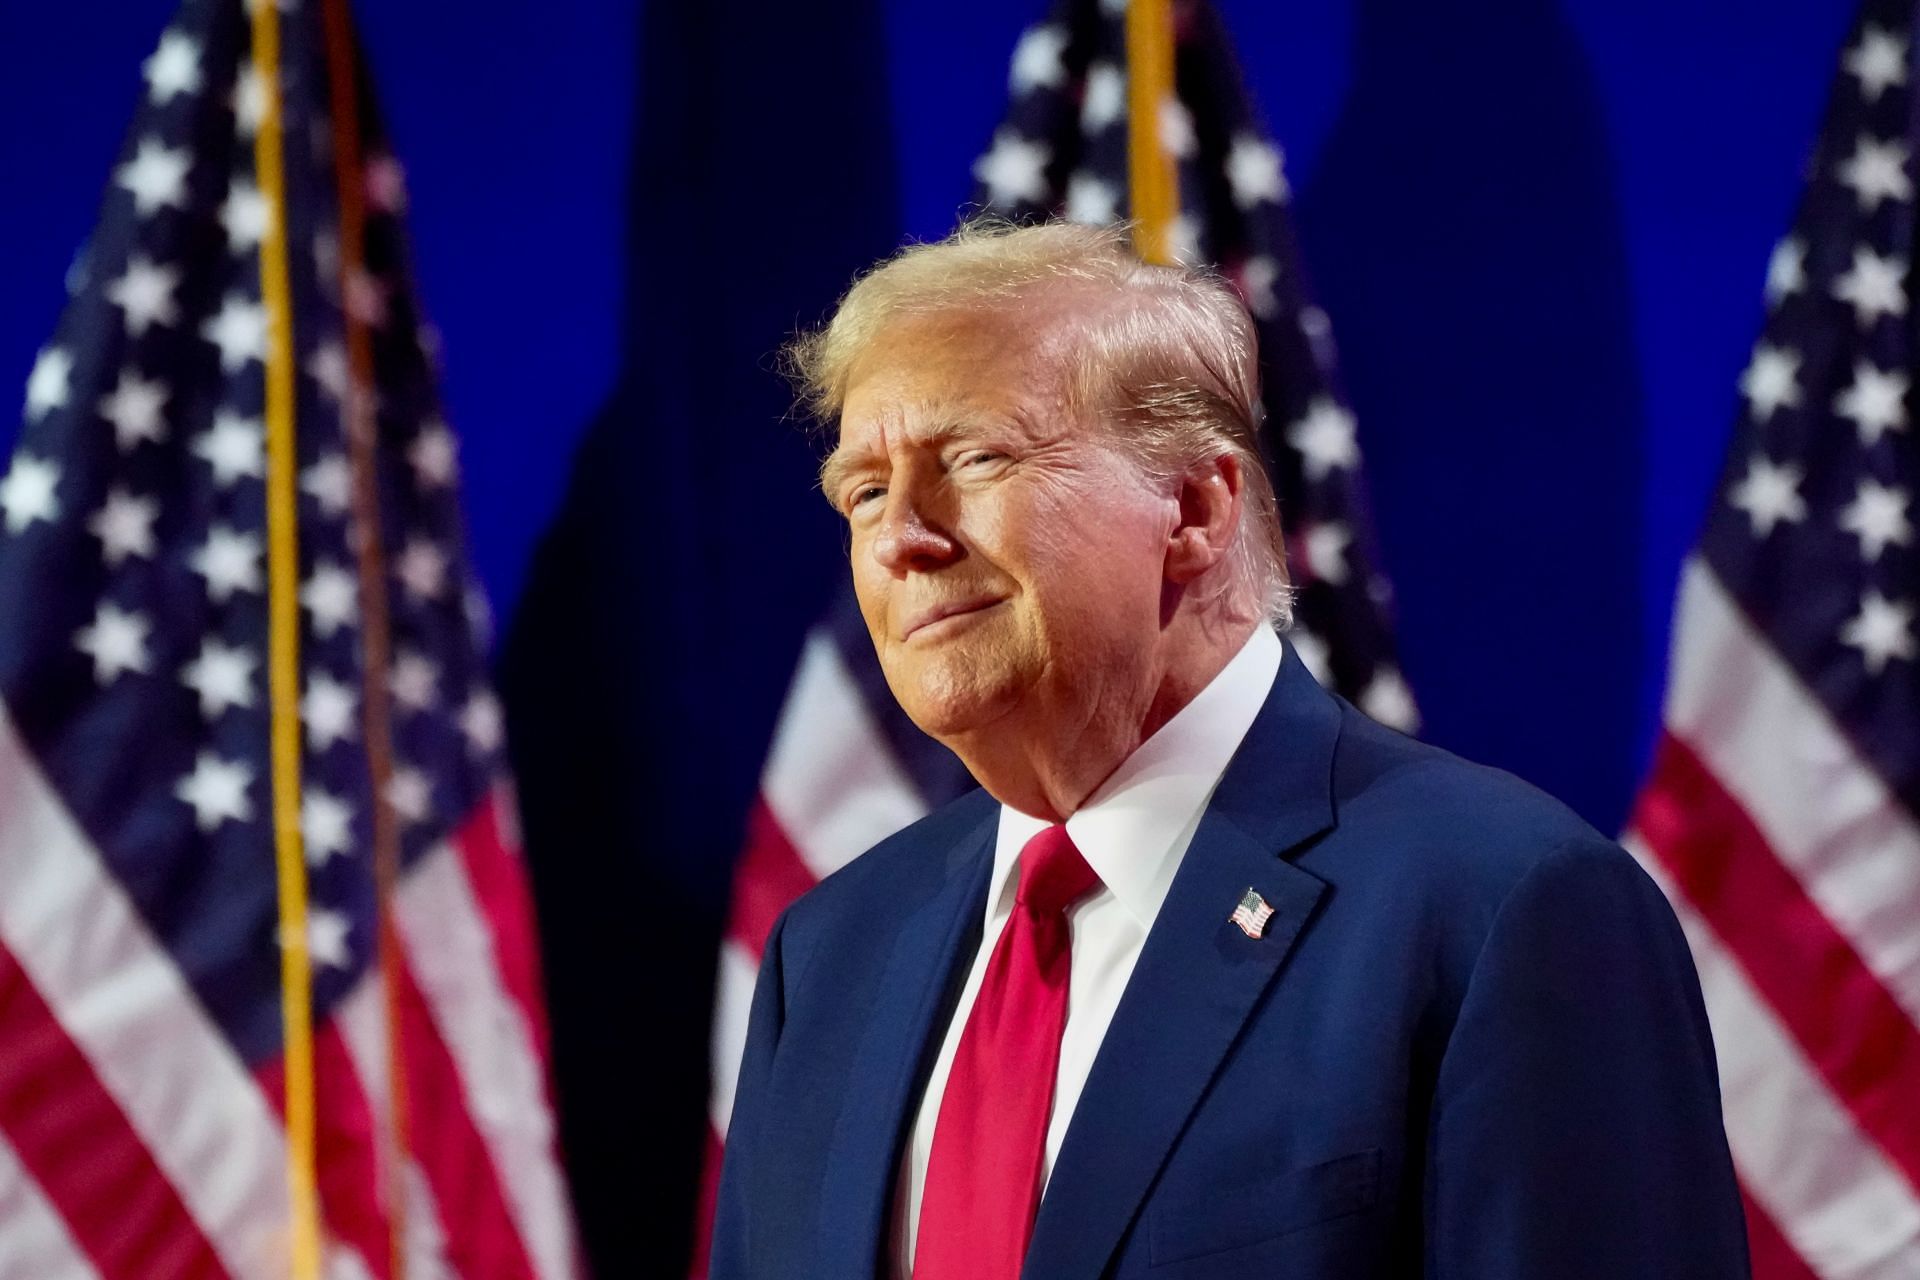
x=1133 y=832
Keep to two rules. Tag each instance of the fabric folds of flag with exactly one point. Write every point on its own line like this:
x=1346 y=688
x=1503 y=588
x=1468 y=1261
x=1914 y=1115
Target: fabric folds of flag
x=846 y=767
x=268 y=978
x=1782 y=810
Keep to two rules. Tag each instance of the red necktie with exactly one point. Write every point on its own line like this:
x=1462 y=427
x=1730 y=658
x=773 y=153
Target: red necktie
x=983 y=1176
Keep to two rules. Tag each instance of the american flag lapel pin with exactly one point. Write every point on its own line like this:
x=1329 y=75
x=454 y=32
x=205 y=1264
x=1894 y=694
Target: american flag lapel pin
x=1252 y=914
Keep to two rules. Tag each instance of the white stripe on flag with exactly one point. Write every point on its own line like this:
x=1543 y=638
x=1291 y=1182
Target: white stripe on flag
x=831 y=780
x=1826 y=814
x=450 y=951
x=362 y=1019
x=732 y=1002
x=124 y=1005
x=34 y=1242
x=1843 y=1207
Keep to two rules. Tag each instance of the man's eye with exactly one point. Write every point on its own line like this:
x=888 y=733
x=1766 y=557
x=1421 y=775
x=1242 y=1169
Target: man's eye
x=978 y=456
x=864 y=495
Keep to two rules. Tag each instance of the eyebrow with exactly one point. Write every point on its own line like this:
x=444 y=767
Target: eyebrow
x=841 y=465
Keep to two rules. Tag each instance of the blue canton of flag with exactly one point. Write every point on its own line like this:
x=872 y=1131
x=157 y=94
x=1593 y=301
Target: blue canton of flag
x=141 y=929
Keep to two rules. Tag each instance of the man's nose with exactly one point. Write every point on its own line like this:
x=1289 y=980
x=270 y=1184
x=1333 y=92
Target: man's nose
x=912 y=536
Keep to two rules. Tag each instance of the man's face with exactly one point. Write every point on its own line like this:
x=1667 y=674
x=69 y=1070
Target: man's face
x=1007 y=558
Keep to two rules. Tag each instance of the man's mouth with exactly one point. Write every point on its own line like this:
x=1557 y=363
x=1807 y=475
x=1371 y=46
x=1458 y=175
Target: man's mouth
x=936 y=617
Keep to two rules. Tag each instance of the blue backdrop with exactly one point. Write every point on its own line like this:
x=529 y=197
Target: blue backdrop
x=1540 y=228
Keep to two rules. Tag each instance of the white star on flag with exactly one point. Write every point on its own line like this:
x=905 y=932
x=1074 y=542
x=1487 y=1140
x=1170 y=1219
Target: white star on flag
x=1786 y=270
x=366 y=298
x=1388 y=700
x=249 y=101
x=1881 y=631
x=239 y=330
x=173 y=68
x=1771 y=382
x=327 y=708
x=1091 y=201
x=28 y=492
x=233 y=446
x=1325 y=438
x=124 y=525
x=1875 y=286
x=326 y=825
x=1105 y=98
x=217 y=791
x=245 y=216
x=1326 y=552
x=1176 y=128
x=1878 y=62
x=116 y=640
x=328 y=367
x=229 y=561
x=434 y=456
x=1036 y=60
x=222 y=675
x=422 y=568
x=1877 y=170
x=1877 y=402
x=1253 y=171
x=386 y=184
x=329 y=482
x=481 y=721
x=1257 y=278
x=1183 y=239
x=331 y=596
x=414 y=681
x=1313 y=651
x=1014 y=170
x=144 y=294
x=1877 y=516
x=327 y=938
x=134 y=410
x=50 y=383
x=1769 y=494
x=156 y=177
x=410 y=794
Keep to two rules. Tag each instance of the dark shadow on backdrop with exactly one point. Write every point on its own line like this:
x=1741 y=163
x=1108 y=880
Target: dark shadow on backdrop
x=1464 y=233
x=665 y=606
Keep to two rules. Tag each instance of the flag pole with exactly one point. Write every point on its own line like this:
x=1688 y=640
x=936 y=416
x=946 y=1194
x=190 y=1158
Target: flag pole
x=1152 y=180
x=283 y=670
x=376 y=633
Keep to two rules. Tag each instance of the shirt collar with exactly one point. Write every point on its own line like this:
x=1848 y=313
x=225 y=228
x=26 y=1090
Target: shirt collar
x=1131 y=827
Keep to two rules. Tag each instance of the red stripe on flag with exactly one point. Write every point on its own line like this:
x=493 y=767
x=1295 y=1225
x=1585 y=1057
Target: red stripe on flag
x=481 y=1240
x=1773 y=1257
x=500 y=886
x=73 y=1138
x=767 y=879
x=1853 y=1031
x=346 y=1148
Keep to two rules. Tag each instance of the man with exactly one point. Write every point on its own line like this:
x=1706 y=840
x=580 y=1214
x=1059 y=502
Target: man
x=1215 y=976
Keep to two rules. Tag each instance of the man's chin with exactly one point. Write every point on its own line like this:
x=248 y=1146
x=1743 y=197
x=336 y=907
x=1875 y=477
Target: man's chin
x=947 y=705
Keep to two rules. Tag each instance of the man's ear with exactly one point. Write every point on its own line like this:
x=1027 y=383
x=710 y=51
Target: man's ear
x=1210 y=495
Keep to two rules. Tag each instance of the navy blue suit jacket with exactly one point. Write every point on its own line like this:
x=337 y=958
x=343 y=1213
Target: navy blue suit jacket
x=1470 y=1044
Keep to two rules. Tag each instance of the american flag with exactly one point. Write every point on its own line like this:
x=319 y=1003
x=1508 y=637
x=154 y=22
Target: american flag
x=1782 y=812
x=846 y=767
x=269 y=1002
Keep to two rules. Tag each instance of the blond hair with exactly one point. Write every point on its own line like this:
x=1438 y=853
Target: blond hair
x=1166 y=357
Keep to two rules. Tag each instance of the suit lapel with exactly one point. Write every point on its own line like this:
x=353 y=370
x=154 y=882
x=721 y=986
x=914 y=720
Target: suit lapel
x=921 y=981
x=1198 y=978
